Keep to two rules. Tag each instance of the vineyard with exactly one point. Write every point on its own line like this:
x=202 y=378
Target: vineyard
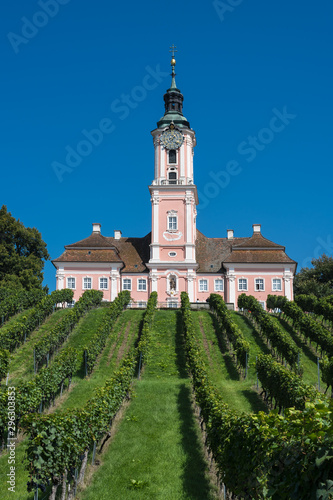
x=111 y=402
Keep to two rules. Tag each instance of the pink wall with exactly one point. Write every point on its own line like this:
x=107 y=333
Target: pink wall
x=260 y=295
x=162 y=284
x=203 y=296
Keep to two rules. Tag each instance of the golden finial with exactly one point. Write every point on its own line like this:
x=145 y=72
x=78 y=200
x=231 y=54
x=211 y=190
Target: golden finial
x=173 y=49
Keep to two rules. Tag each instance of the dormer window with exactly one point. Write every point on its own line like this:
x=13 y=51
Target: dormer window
x=172 y=156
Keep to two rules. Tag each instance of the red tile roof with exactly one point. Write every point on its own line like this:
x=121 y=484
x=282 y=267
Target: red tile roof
x=211 y=253
x=133 y=253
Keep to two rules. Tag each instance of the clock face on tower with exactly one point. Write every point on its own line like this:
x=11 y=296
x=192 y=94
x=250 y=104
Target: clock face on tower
x=172 y=139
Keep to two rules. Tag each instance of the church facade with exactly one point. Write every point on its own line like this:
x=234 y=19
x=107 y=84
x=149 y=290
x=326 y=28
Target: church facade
x=175 y=256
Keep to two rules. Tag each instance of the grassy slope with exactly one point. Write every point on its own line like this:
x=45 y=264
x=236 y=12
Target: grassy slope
x=21 y=366
x=237 y=392
x=308 y=357
x=79 y=336
x=16 y=316
x=122 y=338
x=157 y=444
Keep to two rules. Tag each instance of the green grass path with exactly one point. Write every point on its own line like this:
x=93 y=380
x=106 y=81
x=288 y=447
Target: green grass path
x=237 y=392
x=79 y=395
x=21 y=368
x=308 y=357
x=122 y=338
x=157 y=451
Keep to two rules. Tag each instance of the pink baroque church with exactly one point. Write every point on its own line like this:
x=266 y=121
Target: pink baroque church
x=175 y=256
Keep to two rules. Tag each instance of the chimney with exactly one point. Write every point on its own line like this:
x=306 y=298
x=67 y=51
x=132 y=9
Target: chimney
x=96 y=228
x=256 y=228
x=230 y=233
x=117 y=234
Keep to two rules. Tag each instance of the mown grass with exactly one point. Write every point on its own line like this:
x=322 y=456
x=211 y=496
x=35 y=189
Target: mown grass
x=308 y=359
x=237 y=391
x=21 y=366
x=79 y=336
x=122 y=338
x=157 y=451
x=14 y=318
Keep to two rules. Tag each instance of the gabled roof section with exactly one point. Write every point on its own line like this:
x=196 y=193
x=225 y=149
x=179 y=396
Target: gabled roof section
x=257 y=241
x=211 y=252
x=134 y=252
x=258 y=250
x=85 y=255
x=95 y=240
x=258 y=257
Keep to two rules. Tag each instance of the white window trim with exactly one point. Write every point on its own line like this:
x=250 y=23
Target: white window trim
x=168 y=226
x=138 y=289
x=255 y=284
x=172 y=213
x=218 y=290
x=263 y=304
x=91 y=281
x=243 y=289
x=172 y=256
x=173 y=164
x=99 y=283
x=73 y=278
x=130 y=280
x=275 y=289
x=203 y=279
x=141 y=304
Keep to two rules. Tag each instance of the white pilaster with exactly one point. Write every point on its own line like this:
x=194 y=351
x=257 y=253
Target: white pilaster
x=189 y=200
x=60 y=280
x=182 y=161
x=155 y=201
x=287 y=277
x=190 y=285
x=162 y=163
x=189 y=169
x=154 y=278
x=157 y=151
x=115 y=277
x=232 y=286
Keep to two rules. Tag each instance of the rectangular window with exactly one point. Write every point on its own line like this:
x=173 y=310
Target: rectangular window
x=172 y=304
x=172 y=156
x=276 y=285
x=127 y=284
x=103 y=283
x=86 y=283
x=203 y=285
x=142 y=285
x=71 y=283
x=218 y=285
x=259 y=284
x=262 y=305
x=242 y=284
x=172 y=223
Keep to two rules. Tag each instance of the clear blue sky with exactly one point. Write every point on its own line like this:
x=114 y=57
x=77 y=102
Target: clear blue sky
x=68 y=64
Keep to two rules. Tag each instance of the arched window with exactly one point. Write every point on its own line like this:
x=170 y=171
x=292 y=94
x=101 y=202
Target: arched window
x=172 y=177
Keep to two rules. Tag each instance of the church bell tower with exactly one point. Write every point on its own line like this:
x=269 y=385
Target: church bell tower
x=174 y=198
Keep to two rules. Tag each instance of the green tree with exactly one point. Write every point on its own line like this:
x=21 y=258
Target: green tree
x=317 y=280
x=22 y=253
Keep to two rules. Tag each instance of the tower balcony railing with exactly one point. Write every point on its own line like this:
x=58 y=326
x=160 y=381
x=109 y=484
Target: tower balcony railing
x=169 y=182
